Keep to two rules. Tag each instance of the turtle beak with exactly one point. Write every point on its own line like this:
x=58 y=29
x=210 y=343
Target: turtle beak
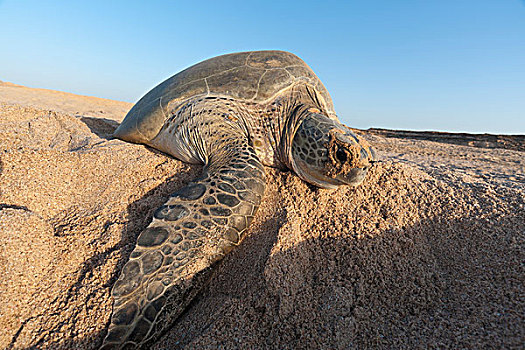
x=360 y=157
x=354 y=177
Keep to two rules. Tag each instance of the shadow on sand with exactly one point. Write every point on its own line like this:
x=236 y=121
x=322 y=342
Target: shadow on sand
x=101 y=127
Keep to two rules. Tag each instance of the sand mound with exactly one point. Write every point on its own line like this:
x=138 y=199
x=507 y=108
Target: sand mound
x=428 y=252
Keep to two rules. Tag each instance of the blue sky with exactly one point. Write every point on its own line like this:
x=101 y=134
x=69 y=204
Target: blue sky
x=451 y=65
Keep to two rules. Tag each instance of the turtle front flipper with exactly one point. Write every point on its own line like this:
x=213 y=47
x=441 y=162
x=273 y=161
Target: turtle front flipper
x=196 y=227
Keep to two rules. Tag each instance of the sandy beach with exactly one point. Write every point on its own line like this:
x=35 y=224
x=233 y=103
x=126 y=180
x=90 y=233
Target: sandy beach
x=427 y=253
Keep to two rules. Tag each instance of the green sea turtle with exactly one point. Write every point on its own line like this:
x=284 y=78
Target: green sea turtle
x=233 y=113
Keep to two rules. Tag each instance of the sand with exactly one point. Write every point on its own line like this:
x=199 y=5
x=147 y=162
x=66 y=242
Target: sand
x=427 y=253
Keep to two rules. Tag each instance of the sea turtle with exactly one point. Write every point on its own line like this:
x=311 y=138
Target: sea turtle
x=233 y=113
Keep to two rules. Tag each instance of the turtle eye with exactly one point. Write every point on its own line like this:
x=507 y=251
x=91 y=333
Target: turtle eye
x=340 y=154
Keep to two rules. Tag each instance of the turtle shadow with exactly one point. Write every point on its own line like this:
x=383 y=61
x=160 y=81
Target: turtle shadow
x=102 y=127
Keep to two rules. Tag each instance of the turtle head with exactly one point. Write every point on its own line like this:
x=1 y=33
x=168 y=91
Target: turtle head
x=327 y=154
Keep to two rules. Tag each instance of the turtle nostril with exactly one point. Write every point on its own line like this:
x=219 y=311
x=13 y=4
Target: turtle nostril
x=341 y=155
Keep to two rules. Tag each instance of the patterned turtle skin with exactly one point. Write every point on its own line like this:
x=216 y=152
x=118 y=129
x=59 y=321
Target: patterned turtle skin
x=234 y=114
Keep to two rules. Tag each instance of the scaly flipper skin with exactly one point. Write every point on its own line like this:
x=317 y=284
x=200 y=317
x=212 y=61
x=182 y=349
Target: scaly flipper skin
x=196 y=227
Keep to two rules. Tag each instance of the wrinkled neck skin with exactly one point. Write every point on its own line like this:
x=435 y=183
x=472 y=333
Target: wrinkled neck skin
x=324 y=152
x=287 y=132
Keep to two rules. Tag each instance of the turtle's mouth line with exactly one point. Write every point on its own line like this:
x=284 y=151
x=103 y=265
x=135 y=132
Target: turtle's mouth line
x=300 y=168
x=353 y=177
